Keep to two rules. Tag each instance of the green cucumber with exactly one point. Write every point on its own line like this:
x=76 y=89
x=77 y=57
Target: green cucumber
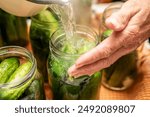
x=21 y=71
x=35 y=90
x=106 y=34
x=16 y=92
x=11 y=31
x=118 y=76
x=7 y=67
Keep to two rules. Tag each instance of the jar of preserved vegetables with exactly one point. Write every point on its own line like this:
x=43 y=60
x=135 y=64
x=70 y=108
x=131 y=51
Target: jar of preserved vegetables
x=81 y=7
x=146 y=44
x=1 y=39
x=122 y=74
x=63 y=53
x=13 y=29
x=19 y=78
x=42 y=27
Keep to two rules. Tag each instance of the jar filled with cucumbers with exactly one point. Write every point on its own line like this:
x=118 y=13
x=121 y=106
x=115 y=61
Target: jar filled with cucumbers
x=63 y=54
x=19 y=77
x=13 y=30
x=122 y=74
x=42 y=27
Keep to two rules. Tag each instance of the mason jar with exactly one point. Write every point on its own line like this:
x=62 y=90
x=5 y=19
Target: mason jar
x=63 y=54
x=1 y=39
x=122 y=74
x=13 y=29
x=42 y=27
x=82 y=7
x=146 y=45
x=19 y=78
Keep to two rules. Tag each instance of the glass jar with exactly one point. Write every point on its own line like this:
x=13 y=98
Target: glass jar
x=13 y=29
x=63 y=54
x=122 y=74
x=82 y=11
x=20 y=78
x=42 y=27
x=1 y=39
x=108 y=11
x=147 y=44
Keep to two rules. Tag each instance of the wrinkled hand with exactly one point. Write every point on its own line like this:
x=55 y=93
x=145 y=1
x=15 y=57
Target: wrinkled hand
x=131 y=27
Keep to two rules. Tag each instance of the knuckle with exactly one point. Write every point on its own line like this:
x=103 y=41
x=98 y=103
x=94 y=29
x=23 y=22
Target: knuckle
x=123 y=18
x=87 y=69
x=132 y=37
x=133 y=31
x=107 y=63
x=107 y=51
x=95 y=56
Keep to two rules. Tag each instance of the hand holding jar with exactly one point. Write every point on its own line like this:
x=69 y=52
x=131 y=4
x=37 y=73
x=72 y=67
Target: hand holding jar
x=131 y=27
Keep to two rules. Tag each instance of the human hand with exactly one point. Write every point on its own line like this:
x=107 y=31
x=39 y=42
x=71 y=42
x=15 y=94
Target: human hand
x=131 y=27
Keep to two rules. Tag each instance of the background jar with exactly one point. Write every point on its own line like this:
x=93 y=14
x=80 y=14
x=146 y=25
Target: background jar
x=1 y=39
x=122 y=74
x=13 y=29
x=62 y=56
x=147 y=44
x=42 y=27
x=28 y=86
x=82 y=11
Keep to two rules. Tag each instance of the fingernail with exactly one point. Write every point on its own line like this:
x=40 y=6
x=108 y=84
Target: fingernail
x=78 y=65
x=71 y=70
x=77 y=75
x=112 y=23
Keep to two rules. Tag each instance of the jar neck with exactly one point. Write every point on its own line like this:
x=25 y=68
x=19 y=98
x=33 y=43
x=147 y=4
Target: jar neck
x=44 y=24
x=112 y=8
x=17 y=51
x=61 y=2
x=59 y=37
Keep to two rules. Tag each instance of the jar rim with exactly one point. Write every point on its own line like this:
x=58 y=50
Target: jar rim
x=112 y=6
x=41 y=22
x=52 y=43
x=45 y=22
x=13 y=50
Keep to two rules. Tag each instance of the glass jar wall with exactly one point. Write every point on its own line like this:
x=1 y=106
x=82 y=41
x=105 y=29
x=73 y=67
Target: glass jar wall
x=63 y=53
x=42 y=27
x=122 y=74
x=13 y=30
x=19 y=78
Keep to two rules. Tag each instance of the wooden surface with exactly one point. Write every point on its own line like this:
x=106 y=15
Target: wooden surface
x=139 y=91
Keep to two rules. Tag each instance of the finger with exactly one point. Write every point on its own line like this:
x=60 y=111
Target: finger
x=103 y=50
x=119 y=20
x=97 y=66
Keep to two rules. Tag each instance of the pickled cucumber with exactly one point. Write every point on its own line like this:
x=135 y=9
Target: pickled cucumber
x=7 y=67
x=20 y=72
x=64 y=86
x=14 y=91
x=42 y=27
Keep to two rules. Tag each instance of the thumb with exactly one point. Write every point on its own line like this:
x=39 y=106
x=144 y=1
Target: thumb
x=119 y=20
